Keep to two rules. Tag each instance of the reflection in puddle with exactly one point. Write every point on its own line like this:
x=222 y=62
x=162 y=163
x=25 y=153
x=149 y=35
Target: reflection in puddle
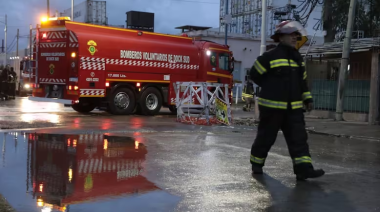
x=52 y=118
x=64 y=170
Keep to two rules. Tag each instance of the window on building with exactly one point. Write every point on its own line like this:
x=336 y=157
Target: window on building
x=223 y=61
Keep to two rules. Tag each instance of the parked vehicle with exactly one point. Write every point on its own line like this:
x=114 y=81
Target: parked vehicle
x=121 y=70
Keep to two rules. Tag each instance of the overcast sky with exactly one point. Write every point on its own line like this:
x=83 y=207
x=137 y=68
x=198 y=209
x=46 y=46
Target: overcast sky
x=168 y=14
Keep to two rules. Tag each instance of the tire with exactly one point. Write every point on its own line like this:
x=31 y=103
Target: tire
x=122 y=101
x=150 y=101
x=84 y=107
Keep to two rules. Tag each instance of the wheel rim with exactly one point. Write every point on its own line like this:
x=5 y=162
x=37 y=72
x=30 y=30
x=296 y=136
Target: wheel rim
x=151 y=101
x=121 y=100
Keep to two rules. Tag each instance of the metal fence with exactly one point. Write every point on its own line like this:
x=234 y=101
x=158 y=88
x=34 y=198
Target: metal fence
x=323 y=78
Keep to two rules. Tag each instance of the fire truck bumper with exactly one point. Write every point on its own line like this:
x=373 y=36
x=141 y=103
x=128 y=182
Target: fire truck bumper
x=41 y=99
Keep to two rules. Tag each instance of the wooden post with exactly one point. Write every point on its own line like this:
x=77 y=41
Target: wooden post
x=374 y=89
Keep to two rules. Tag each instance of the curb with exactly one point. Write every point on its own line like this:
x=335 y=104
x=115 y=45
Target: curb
x=311 y=131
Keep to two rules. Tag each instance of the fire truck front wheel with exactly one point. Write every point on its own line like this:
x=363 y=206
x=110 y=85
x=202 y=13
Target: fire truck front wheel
x=122 y=101
x=150 y=101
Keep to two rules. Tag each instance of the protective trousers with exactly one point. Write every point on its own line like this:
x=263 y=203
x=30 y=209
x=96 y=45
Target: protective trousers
x=292 y=124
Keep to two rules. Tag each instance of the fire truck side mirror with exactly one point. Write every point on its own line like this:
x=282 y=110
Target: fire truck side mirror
x=232 y=64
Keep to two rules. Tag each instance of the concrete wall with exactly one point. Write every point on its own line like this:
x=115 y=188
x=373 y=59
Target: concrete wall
x=356 y=117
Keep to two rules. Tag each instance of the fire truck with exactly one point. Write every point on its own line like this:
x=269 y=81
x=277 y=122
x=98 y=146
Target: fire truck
x=120 y=70
x=26 y=84
x=74 y=169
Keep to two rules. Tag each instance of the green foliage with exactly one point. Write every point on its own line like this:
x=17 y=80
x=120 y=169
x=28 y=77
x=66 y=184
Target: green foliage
x=367 y=17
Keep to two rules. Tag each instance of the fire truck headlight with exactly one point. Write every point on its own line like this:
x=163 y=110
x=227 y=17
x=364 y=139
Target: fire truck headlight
x=208 y=53
x=27 y=86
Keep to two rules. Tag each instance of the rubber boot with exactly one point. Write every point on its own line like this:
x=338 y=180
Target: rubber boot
x=305 y=171
x=257 y=169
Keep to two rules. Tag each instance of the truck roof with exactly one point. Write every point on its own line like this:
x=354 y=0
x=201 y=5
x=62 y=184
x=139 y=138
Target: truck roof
x=104 y=29
x=78 y=26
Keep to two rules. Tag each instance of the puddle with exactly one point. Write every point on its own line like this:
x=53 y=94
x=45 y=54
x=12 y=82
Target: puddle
x=93 y=172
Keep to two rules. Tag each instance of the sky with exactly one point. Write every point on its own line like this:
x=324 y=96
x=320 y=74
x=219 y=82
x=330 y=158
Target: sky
x=168 y=14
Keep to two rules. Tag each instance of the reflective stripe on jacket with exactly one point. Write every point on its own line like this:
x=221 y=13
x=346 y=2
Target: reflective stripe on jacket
x=248 y=90
x=282 y=77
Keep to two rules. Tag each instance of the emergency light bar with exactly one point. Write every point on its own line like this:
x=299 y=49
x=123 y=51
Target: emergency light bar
x=54 y=22
x=60 y=18
x=44 y=19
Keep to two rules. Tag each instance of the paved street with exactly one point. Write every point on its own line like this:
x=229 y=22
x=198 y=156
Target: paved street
x=131 y=163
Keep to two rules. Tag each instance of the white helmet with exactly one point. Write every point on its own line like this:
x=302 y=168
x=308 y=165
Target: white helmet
x=288 y=27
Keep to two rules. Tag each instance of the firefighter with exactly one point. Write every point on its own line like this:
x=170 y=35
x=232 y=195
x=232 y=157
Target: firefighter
x=248 y=94
x=282 y=77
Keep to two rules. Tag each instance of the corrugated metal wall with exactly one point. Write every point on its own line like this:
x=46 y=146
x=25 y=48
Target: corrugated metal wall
x=96 y=13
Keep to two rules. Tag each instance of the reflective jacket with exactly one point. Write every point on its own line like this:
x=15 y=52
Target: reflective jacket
x=282 y=77
x=248 y=91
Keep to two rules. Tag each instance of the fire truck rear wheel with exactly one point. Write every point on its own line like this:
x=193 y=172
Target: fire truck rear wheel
x=84 y=107
x=150 y=101
x=122 y=102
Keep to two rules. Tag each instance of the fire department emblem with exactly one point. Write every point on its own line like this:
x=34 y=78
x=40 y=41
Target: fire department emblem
x=92 y=74
x=92 y=47
x=51 y=68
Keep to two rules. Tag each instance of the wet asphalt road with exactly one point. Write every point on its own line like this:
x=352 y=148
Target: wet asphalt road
x=155 y=164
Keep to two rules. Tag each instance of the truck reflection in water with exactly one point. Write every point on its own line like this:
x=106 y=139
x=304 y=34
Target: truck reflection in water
x=72 y=169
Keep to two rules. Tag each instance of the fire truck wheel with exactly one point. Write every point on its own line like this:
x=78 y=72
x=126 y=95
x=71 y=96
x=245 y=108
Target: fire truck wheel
x=85 y=107
x=122 y=102
x=150 y=101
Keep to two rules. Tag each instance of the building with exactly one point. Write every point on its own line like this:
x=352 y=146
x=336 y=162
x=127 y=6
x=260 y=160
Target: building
x=92 y=12
x=246 y=15
x=362 y=87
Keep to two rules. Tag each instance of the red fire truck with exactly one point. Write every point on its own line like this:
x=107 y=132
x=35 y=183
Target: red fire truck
x=74 y=169
x=121 y=70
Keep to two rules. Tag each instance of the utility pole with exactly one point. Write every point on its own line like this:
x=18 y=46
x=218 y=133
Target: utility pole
x=344 y=62
x=48 y=9
x=226 y=25
x=5 y=38
x=30 y=69
x=263 y=26
x=72 y=10
x=263 y=47
x=17 y=63
x=18 y=35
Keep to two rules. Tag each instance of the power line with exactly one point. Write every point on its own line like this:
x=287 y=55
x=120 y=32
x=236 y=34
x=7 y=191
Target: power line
x=10 y=46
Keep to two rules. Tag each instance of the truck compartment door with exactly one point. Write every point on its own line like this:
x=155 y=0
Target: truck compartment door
x=92 y=77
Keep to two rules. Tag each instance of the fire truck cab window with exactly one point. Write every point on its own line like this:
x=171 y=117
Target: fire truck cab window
x=223 y=61
x=213 y=59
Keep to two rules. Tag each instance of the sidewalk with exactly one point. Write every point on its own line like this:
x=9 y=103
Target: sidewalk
x=327 y=127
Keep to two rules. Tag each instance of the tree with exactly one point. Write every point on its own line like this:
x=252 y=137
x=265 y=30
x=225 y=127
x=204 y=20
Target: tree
x=335 y=16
